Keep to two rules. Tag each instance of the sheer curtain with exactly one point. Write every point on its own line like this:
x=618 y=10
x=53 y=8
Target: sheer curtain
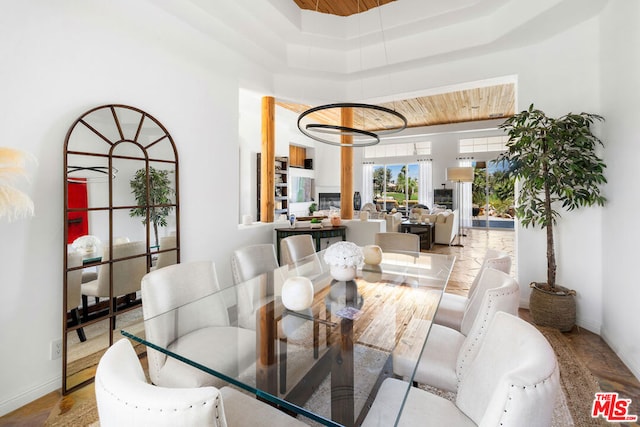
x=425 y=182
x=465 y=188
x=367 y=183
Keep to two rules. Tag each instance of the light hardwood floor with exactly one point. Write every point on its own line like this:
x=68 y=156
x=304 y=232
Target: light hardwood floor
x=611 y=373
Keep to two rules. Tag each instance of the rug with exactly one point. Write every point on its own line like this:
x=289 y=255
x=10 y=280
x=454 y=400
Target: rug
x=578 y=384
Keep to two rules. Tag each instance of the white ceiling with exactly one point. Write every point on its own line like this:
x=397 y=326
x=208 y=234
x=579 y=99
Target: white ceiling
x=282 y=37
x=342 y=52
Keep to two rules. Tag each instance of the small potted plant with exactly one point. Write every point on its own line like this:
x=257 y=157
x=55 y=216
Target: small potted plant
x=557 y=165
x=343 y=259
x=312 y=208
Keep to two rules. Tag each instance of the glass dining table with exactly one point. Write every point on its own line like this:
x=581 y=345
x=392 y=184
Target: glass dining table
x=325 y=362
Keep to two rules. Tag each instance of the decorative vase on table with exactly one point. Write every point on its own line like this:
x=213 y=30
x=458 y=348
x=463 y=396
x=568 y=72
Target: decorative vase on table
x=297 y=293
x=357 y=201
x=372 y=254
x=343 y=259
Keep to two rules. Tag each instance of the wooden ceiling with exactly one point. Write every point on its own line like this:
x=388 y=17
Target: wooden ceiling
x=483 y=103
x=340 y=7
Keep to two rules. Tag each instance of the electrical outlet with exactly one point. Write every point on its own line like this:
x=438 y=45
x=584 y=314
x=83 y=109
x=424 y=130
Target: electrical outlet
x=56 y=349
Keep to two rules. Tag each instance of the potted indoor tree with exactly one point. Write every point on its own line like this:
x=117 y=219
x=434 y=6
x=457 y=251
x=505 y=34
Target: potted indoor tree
x=160 y=191
x=557 y=166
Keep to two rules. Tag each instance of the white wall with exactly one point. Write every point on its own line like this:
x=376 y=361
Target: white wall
x=62 y=58
x=59 y=60
x=620 y=68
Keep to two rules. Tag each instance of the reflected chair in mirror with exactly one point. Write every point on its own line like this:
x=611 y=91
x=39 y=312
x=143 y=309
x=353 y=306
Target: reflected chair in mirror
x=294 y=248
x=124 y=397
x=513 y=381
x=398 y=242
x=452 y=307
x=74 y=295
x=185 y=312
x=448 y=352
x=88 y=246
x=166 y=258
x=127 y=274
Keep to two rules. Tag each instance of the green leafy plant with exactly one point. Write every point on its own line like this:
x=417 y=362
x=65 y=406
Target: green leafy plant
x=160 y=192
x=312 y=208
x=556 y=163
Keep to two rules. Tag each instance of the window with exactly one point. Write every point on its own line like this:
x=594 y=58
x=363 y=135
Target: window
x=398 y=150
x=483 y=145
x=396 y=186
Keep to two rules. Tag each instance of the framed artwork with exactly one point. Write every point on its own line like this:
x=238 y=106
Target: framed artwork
x=301 y=189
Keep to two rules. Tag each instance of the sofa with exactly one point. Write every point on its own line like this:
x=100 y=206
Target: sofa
x=446 y=225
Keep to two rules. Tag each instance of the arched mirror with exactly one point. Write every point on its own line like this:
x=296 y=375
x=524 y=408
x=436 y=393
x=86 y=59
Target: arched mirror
x=121 y=220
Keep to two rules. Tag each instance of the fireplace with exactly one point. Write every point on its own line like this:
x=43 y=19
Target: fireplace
x=327 y=201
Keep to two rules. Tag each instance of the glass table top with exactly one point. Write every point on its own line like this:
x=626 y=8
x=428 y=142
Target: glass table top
x=325 y=362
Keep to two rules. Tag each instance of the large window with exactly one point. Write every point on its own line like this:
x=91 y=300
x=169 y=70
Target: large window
x=396 y=186
x=493 y=203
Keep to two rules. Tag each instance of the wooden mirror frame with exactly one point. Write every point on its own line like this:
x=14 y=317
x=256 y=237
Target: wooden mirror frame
x=96 y=134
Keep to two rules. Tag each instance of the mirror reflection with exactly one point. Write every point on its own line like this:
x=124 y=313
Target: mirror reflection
x=121 y=221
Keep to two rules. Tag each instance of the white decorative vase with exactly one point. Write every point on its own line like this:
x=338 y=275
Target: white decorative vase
x=343 y=273
x=297 y=293
x=372 y=254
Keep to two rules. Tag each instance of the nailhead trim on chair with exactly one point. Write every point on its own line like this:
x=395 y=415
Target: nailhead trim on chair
x=483 y=327
x=545 y=380
x=204 y=403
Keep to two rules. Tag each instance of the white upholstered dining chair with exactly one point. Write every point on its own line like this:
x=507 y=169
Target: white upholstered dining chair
x=513 y=381
x=452 y=307
x=125 y=398
x=74 y=293
x=127 y=273
x=166 y=258
x=398 y=242
x=448 y=352
x=199 y=331
x=294 y=248
x=251 y=261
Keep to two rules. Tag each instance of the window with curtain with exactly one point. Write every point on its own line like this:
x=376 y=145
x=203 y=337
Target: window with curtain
x=400 y=185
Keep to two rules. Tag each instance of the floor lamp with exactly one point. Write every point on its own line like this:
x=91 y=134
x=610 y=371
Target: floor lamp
x=460 y=175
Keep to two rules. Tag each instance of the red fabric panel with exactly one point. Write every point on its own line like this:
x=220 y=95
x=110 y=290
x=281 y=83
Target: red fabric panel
x=78 y=221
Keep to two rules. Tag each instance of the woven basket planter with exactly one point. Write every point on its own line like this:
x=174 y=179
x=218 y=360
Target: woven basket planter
x=556 y=310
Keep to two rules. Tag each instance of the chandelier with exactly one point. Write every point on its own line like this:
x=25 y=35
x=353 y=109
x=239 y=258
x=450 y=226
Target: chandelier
x=360 y=136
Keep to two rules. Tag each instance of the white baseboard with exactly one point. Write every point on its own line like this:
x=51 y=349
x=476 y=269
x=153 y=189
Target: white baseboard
x=628 y=359
x=29 y=396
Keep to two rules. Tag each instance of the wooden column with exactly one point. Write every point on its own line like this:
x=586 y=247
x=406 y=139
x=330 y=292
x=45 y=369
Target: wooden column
x=346 y=166
x=268 y=160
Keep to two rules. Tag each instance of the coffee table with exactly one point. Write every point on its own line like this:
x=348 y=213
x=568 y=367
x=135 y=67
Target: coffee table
x=326 y=362
x=425 y=230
